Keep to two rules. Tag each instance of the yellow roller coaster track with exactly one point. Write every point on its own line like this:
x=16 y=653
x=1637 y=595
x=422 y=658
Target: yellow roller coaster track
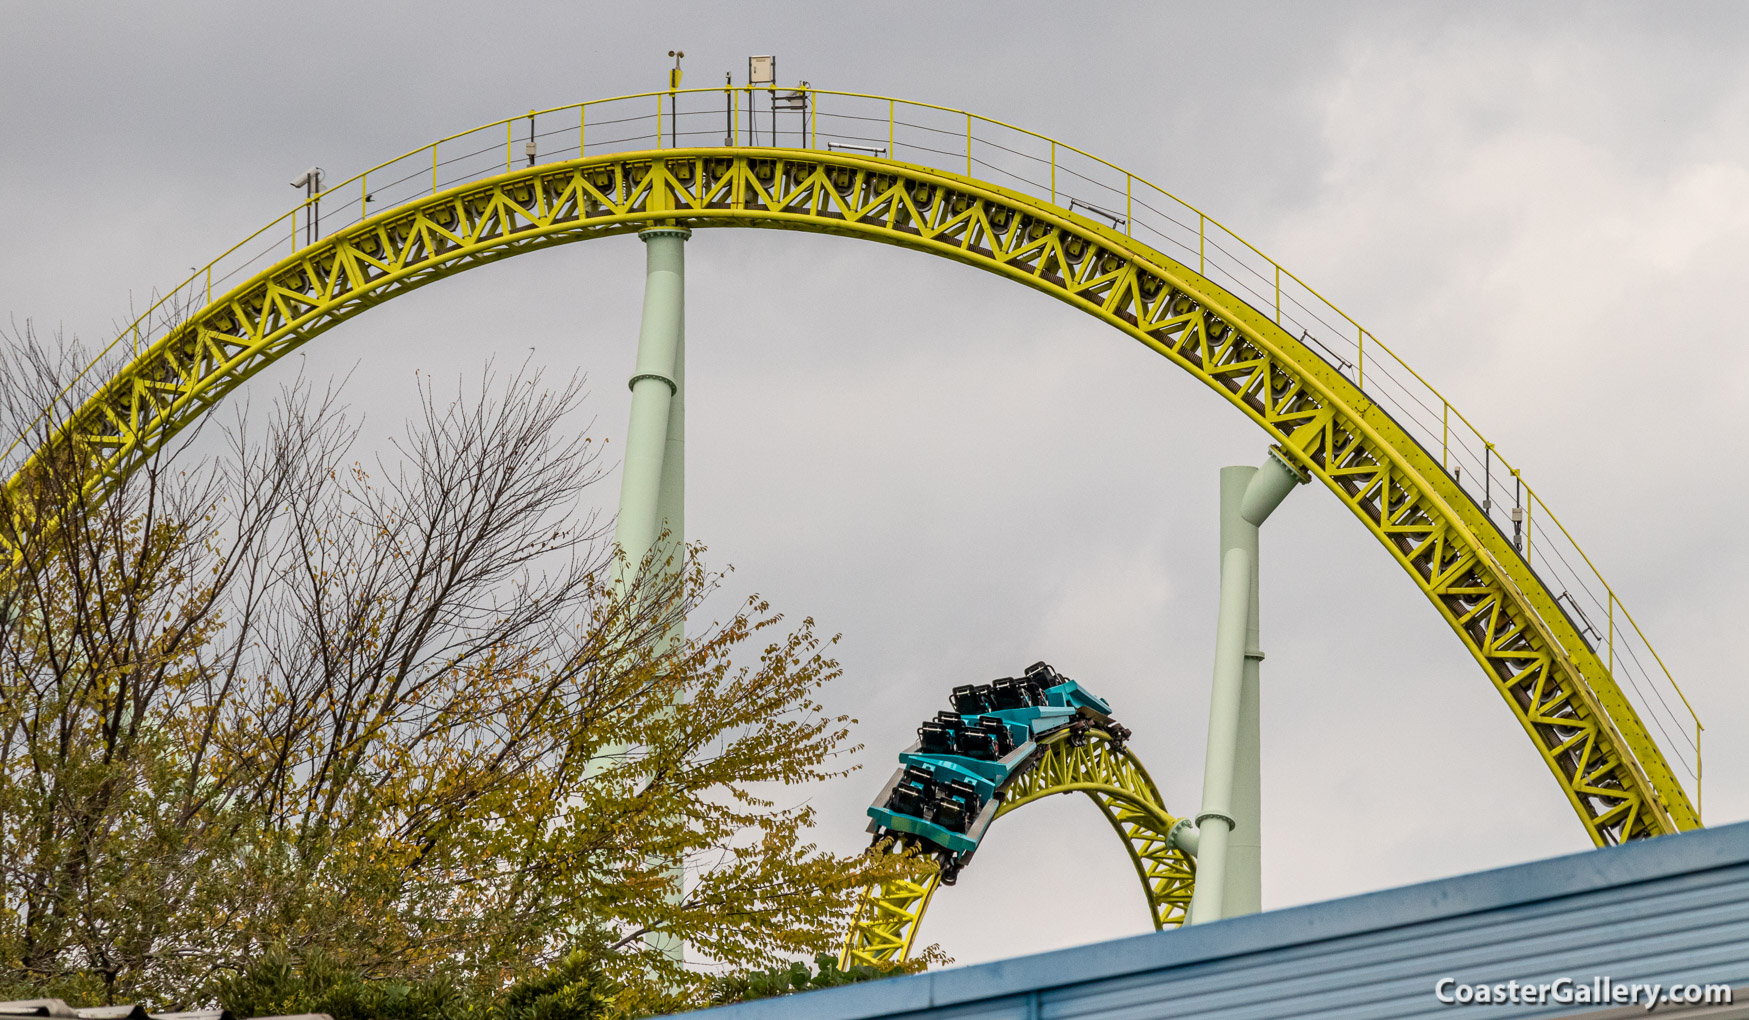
x=1377 y=449
x=889 y=914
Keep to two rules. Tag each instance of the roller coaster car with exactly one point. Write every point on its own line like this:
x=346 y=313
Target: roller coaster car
x=941 y=800
x=986 y=739
x=949 y=785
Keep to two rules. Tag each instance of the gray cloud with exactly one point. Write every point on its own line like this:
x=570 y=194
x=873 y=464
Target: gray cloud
x=1544 y=208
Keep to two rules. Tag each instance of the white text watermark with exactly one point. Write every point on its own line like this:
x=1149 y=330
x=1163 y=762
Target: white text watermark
x=1598 y=991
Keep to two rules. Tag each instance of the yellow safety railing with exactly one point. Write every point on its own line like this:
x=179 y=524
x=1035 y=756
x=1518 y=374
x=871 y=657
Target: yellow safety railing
x=961 y=142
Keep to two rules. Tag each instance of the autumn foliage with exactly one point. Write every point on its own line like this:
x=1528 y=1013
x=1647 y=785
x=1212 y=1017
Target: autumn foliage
x=267 y=703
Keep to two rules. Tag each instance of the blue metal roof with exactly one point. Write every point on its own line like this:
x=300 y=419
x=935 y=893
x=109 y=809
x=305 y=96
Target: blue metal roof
x=1672 y=909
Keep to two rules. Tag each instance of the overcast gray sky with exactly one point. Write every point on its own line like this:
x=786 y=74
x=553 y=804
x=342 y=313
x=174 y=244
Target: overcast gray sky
x=1545 y=208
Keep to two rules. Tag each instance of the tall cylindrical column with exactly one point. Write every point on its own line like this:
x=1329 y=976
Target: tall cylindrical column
x=652 y=491
x=671 y=497
x=670 y=557
x=657 y=404
x=1244 y=884
x=1229 y=878
x=1215 y=819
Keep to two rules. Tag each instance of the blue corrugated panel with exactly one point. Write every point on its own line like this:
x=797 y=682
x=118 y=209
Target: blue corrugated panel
x=1666 y=910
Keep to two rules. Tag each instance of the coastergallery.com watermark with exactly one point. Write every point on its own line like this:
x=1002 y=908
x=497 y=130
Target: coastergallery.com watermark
x=1599 y=991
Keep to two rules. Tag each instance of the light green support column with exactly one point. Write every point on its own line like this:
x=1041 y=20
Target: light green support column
x=1215 y=821
x=656 y=399
x=1229 y=848
x=1244 y=885
x=671 y=497
x=670 y=555
x=652 y=491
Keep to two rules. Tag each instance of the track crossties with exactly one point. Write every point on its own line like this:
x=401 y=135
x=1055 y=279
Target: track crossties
x=1556 y=686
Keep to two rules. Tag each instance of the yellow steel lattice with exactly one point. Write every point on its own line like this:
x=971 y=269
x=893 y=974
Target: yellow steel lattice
x=886 y=921
x=1549 y=661
x=885 y=926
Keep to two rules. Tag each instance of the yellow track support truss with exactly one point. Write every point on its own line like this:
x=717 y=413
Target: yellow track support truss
x=884 y=928
x=1557 y=687
x=886 y=921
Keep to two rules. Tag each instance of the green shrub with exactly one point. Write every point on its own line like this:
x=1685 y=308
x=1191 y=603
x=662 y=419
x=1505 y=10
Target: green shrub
x=280 y=983
x=571 y=989
x=760 y=984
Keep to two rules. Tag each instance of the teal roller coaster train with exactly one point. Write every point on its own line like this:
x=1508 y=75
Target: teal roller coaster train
x=1002 y=746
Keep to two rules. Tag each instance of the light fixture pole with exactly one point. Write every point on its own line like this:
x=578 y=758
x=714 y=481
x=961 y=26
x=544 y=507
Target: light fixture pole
x=796 y=101
x=674 y=100
x=311 y=181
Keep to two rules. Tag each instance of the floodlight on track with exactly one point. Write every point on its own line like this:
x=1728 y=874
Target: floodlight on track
x=796 y=101
x=311 y=181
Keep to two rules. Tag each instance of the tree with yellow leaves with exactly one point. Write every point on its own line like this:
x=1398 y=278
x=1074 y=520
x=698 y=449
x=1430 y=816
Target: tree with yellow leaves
x=402 y=718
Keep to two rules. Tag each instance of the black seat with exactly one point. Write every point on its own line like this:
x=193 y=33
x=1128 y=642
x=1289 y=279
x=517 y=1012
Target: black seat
x=978 y=743
x=999 y=733
x=956 y=805
x=915 y=795
x=971 y=699
x=937 y=738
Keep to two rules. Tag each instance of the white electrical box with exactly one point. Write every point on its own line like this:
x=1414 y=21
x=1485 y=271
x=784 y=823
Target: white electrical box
x=762 y=70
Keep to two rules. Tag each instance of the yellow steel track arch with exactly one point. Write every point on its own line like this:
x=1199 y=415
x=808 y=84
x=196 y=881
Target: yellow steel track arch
x=1562 y=692
x=1090 y=762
